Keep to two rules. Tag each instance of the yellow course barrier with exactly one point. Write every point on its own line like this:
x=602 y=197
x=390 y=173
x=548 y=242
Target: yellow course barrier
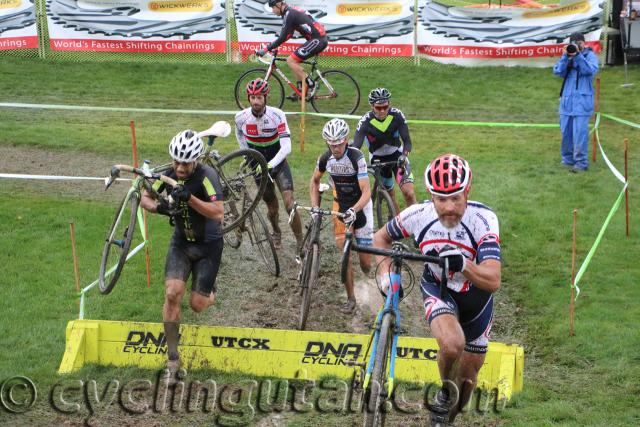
x=272 y=353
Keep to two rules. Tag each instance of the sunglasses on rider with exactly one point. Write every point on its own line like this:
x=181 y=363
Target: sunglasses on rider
x=384 y=107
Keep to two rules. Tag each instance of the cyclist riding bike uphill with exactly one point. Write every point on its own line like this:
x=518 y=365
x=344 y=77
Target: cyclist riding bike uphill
x=352 y=195
x=296 y=19
x=265 y=129
x=466 y=234
x=383 y=127
x=196 y=246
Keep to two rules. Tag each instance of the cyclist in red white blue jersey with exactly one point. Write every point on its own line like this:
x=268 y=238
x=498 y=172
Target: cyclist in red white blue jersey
x=466 y=233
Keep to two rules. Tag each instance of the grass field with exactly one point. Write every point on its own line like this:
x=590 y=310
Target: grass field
x=588 y=379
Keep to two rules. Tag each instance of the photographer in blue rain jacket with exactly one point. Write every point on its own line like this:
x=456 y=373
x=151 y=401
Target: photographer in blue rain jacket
x=577 y=66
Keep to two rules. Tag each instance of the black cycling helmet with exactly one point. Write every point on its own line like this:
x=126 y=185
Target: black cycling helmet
x=379 y=95
x=272 y=3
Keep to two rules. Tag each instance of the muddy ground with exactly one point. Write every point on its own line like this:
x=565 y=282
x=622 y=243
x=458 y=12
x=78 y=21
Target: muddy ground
x=268 y=301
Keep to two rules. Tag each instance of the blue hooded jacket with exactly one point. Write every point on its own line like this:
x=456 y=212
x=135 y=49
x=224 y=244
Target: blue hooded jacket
x=577 y=95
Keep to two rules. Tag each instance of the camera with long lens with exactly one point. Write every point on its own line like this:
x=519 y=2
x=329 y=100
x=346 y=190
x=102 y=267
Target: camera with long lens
x=572 y=48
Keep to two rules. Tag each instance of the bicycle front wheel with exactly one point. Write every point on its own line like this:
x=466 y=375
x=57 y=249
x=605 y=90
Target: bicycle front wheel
x=384 y=209
x=341 y=96
x=242 y=185
x=309 y=277
x=263 y=241
x=375 y=411
x=118 y=242
x=276 y=94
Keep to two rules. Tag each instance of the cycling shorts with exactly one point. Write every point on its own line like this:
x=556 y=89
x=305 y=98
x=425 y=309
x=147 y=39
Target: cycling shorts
x=473 y=310
x=363 y=225
x=310 y=48
x=281 y=174
x=201 y=259
x=390 y=173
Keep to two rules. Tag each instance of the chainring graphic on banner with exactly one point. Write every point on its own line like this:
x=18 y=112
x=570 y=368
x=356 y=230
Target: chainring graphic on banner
x=126 y=17
x=23 y=16
x=252 y=14
x=511 y=25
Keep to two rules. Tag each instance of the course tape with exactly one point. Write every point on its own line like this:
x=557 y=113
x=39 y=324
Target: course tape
x=233 y=113
x=115 y=109
x=619 y=120
x=57 y=177
x=592 y=251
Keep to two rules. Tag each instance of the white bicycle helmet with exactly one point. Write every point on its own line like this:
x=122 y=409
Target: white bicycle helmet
x=186 y=146
x=335 y=131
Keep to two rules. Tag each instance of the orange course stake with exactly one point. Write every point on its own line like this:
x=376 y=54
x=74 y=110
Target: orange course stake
x=573 y=274
x=626 y=190
x=74 y=254
x=134 y=149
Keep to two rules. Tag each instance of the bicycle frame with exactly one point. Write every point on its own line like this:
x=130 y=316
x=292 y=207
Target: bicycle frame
x=376 y=169
x=392 y=300
x=136 y=187
x=272 y=66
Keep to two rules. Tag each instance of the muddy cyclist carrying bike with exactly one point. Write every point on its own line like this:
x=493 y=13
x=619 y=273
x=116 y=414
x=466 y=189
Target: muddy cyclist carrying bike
x=196 y=246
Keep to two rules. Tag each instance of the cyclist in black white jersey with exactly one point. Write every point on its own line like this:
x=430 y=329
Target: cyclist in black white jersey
x=466 y=233
x=296 y=19
x=265 y=129
x=196 y=246
x=351 y=194
x=387 y=136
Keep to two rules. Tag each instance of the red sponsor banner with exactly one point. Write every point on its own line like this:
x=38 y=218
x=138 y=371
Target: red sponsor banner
x=335 y=49
x=148 y=46
x=27 y=42
x=512 y=52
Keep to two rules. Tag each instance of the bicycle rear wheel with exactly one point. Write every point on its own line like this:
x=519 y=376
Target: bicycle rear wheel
x=309 y=277
x=376 y=396
x=118 y=242
x=242 y=186
x=384 y=209
x=276 y=94
x=343 y=97
x=262 y=239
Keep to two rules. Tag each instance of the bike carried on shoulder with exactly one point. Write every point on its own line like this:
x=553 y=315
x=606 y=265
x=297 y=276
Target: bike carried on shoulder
x=241 y=177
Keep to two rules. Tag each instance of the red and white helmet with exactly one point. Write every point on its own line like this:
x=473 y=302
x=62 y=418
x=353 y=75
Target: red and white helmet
x=258 y=87
x=448 y=175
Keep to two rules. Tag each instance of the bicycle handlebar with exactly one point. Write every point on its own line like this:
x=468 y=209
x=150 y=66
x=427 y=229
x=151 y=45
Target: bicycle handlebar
x=394 y=254
x=115 y=173
x=377 y=165
x=313 y=210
